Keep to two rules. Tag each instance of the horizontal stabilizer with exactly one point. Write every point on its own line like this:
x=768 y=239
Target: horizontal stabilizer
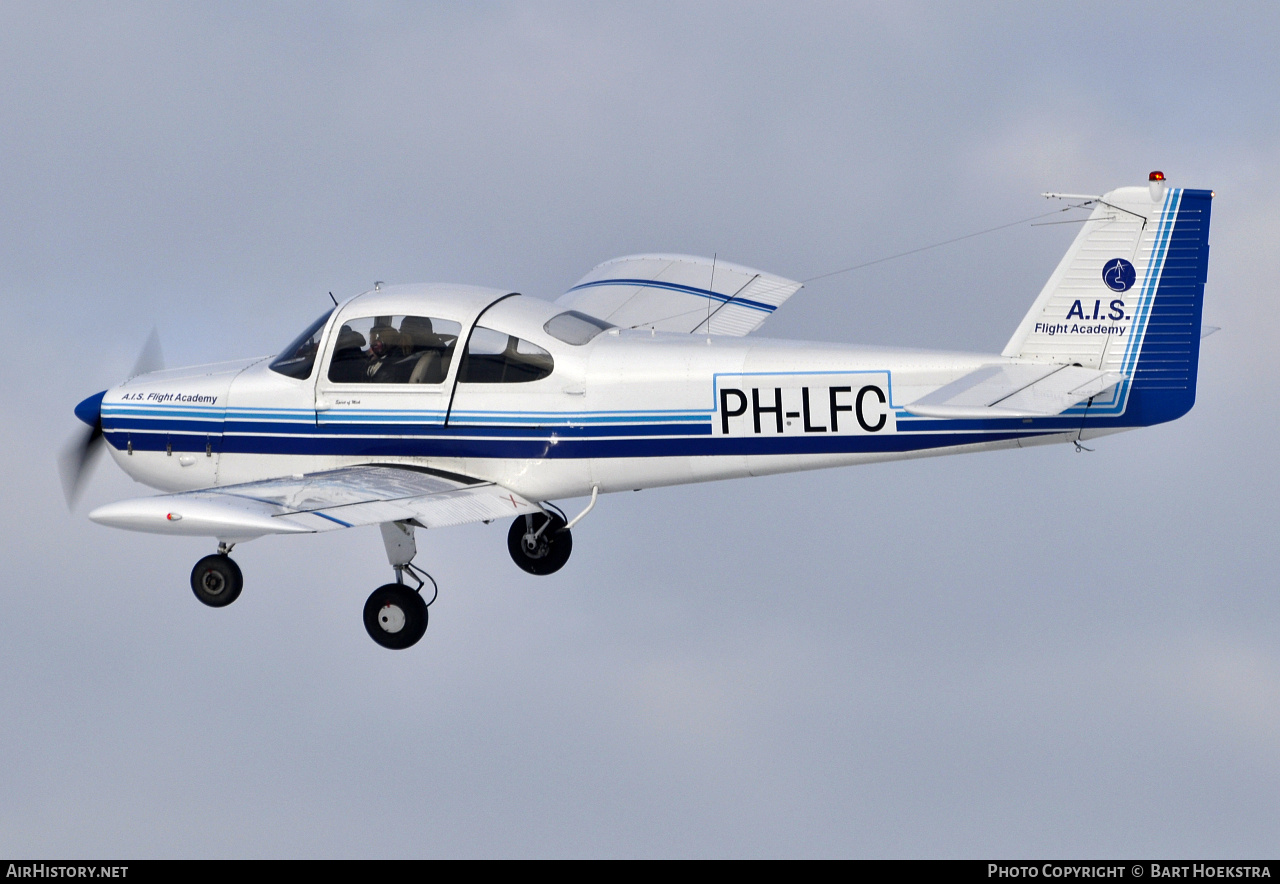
x=1015 y=390
x=342 y=498
x=680 y=293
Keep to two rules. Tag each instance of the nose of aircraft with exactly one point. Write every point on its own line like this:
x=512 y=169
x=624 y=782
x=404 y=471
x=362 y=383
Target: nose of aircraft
x=90 y=410
x=74 y=460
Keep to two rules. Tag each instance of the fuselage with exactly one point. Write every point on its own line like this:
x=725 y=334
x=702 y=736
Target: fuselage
x=541 y=411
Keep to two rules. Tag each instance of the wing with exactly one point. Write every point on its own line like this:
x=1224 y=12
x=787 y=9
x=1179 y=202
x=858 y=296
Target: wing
x=1015 y=390
x=325 y=501
x=680 y=293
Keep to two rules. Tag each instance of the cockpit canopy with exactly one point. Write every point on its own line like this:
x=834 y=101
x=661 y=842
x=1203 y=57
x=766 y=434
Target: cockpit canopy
x=377 y=345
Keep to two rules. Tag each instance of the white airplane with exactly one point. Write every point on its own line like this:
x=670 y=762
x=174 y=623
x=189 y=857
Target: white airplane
x=423 y=406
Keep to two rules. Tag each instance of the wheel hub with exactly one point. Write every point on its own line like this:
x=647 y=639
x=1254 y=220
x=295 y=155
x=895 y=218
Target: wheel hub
x=535 y=547
x=214 y=583
x=391 y=618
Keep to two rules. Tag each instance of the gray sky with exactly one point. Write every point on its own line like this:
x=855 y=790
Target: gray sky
x=1018 y=654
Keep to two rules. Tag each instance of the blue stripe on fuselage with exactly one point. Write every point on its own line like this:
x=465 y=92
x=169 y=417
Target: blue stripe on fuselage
x=569 y=441
x=554 y=446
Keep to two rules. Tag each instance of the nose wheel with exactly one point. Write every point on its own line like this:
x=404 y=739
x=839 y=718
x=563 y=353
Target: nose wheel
x=216 y=580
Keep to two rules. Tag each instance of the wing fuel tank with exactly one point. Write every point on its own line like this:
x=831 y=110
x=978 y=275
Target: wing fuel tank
x=197 y=516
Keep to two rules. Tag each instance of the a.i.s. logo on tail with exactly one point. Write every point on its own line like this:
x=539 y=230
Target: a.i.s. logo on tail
x=1119 y=275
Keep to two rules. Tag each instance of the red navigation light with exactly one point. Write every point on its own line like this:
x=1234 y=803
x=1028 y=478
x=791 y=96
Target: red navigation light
x=1156 y=176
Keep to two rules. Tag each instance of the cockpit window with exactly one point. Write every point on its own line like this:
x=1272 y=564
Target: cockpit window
x=297 y=359
x=393 y=350
x=495 y=357
x=575 y=328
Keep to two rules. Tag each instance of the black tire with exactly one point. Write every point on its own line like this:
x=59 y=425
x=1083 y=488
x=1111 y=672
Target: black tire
x=548 y=553
x=395 y=616
x=216 y=580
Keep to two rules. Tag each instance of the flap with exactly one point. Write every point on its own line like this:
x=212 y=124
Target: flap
x=680 y=293
x=342 y=498
x=1015 y=390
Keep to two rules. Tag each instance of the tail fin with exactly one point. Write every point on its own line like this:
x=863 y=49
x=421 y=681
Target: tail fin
x=1127 y=297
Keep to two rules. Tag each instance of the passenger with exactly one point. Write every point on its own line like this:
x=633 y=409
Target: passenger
x=430 y=360
x=420 y=333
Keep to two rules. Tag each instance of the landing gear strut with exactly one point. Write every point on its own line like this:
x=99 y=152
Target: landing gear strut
x=216 y=580
x=539 y=543
x=395 y=615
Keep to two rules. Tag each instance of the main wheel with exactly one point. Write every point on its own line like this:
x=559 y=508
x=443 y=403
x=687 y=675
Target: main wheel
x=216 y=580
x=536 y=553
x=395 y=616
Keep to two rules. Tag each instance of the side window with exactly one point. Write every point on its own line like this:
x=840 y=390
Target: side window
x=575 y=328
x=393 y=350
x=495 y=357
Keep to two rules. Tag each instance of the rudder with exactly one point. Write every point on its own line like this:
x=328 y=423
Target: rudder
x=1165 y=366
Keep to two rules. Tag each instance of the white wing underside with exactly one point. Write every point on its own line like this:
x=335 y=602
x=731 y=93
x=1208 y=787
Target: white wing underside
x=1015 y=390
x=680 y=293
x=342 y=498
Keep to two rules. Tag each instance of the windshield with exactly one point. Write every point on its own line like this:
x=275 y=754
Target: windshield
x=297 y=359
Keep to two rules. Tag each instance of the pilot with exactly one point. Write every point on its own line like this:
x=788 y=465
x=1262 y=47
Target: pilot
x=384 y=353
